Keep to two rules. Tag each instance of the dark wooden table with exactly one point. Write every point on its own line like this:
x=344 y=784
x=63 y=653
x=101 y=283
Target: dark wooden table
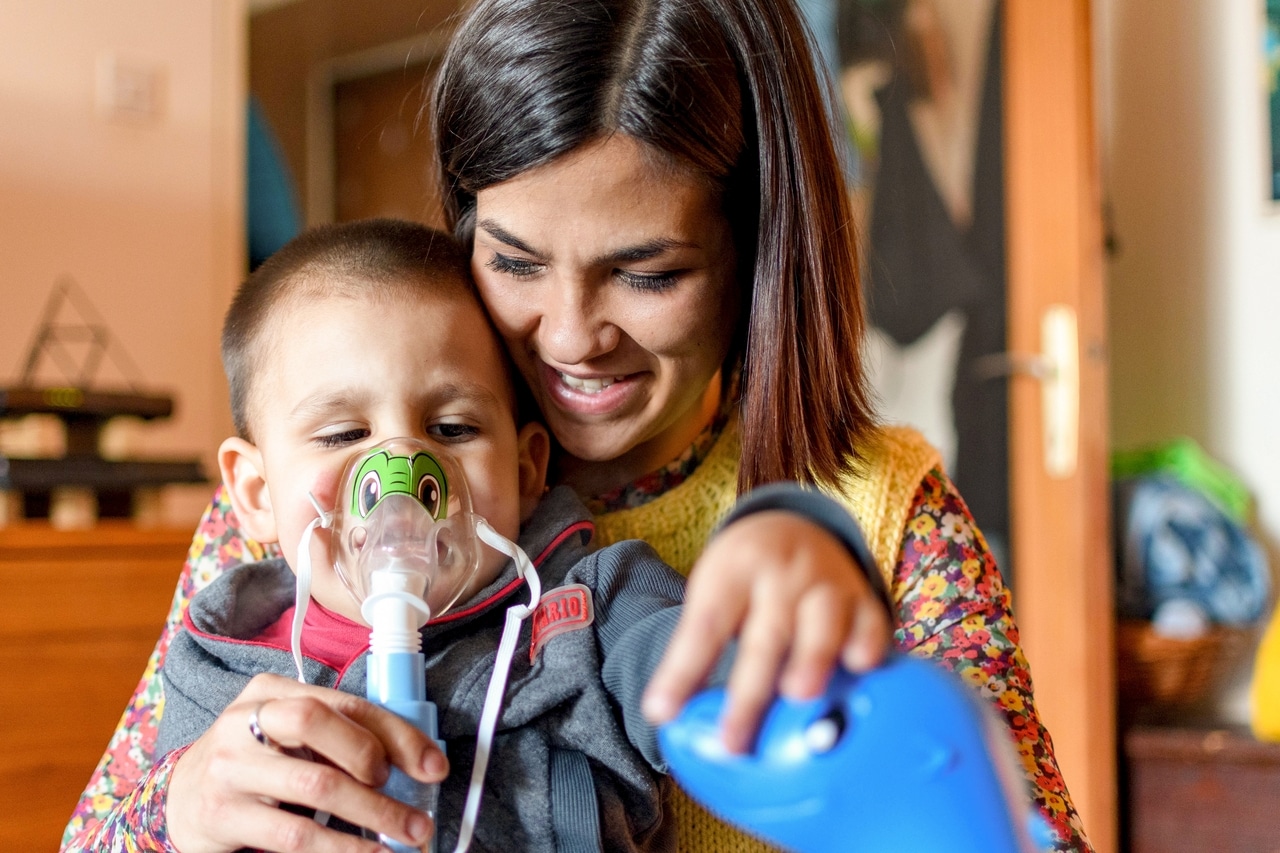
x=1197 y=788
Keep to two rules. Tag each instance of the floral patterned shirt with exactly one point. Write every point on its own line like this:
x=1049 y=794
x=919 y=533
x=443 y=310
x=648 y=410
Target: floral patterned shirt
x=955 y=609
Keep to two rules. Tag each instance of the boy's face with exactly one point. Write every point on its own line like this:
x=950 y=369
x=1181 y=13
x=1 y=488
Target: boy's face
x=342 y=374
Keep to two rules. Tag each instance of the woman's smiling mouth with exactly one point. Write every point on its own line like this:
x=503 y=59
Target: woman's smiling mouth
x=588 y=386
x=589 y=395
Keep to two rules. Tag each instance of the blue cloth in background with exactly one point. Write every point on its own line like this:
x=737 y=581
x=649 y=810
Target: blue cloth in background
x=271 y=218
x=1174 y=544
x=820 y=16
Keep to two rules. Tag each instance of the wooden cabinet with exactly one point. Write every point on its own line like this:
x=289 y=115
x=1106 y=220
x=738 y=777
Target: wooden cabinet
x=80 y=612
x=1201 y=789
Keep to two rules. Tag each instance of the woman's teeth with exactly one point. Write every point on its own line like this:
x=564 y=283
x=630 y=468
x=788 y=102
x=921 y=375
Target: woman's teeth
x=587 y=386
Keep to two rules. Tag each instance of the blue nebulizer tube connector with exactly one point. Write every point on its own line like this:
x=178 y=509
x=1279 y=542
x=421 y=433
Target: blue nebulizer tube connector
x=397 y=681
x=397 y=676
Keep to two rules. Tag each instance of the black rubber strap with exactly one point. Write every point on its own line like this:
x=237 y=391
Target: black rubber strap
x=823 y=511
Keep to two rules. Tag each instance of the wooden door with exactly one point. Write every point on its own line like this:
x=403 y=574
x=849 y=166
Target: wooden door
x=382 y=163
x=1060 y=519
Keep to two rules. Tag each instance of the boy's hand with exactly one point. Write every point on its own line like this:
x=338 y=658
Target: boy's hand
x=224 y=791
x=793 y=595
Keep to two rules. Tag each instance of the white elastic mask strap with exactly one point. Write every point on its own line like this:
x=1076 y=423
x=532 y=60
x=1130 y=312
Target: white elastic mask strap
x=302 y=596
x=498 y=682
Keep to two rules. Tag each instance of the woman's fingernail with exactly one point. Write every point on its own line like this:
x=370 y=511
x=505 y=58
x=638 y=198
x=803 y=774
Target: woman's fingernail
x=419 y=827
x=435 y=763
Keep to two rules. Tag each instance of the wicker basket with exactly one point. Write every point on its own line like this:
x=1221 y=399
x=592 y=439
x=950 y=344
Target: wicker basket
x=1157 y=670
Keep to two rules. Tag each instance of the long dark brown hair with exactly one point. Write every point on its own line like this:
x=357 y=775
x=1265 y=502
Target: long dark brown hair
x=729 y=88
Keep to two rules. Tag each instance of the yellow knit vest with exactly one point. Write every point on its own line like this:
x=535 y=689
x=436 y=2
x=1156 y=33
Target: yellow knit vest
x=877 y=490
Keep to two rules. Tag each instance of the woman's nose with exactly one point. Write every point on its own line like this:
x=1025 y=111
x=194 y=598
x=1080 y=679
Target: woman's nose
x=577 y=326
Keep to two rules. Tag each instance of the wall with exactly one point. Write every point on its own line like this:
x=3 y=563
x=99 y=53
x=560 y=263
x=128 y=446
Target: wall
x=1193 y=285
x=145 y=215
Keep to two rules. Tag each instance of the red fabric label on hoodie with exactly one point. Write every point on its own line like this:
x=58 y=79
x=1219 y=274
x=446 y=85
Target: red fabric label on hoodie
x=563 y=609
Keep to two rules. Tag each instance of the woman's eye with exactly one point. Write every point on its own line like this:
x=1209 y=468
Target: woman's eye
x=453 y=432
x=515 y=267
x=651 y=282
x=341 y=439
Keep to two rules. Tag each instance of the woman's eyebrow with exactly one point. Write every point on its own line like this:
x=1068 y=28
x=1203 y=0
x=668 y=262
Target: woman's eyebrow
x=503 y=235
x=644 y=251
x=627 y=254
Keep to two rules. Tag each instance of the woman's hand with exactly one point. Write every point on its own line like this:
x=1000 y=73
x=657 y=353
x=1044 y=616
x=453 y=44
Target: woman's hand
x=798 y=603
x=224 y=791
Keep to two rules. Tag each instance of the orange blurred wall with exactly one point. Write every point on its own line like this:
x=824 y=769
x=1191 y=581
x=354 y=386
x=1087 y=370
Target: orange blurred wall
x=144 y=212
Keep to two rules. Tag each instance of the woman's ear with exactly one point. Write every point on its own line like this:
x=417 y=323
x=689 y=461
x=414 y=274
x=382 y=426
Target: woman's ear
x=535 y=453
x=245 y=478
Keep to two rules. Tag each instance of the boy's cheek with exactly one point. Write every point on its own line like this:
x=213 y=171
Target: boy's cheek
x=324 y=488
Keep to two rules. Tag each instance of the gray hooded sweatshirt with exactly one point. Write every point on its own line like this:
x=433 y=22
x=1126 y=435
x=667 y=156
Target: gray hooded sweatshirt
x=574 y=765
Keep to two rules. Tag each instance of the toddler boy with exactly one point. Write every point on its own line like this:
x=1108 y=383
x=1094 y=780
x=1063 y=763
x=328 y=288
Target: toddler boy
x=357 y=333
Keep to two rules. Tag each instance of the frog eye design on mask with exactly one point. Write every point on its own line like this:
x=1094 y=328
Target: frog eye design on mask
x=419 y=476
x=368 y=492
x=429 y=493
x=432 y=486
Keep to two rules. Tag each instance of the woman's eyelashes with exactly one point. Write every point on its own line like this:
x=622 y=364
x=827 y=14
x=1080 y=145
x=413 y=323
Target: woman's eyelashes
x=514 y=267
x=651 y=282
x=645 y=281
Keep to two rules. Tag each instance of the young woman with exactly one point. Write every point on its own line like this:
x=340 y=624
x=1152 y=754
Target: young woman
x=662 y=235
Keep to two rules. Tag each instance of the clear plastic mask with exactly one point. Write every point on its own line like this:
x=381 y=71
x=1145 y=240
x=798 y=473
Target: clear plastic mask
x=403 y=527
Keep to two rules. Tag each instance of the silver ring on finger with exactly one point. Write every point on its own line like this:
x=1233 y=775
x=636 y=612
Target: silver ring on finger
x=255 y=729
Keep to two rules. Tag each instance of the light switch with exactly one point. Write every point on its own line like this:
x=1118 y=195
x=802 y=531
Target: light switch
x=130 y=90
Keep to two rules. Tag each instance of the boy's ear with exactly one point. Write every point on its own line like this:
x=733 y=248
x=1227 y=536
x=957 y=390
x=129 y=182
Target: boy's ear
x=535 y=454
x=245 y=478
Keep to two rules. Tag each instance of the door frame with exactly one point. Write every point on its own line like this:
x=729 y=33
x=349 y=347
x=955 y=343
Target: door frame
x=1060 y=525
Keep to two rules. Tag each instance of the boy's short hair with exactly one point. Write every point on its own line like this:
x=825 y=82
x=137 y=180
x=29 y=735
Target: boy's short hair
x=379 y=258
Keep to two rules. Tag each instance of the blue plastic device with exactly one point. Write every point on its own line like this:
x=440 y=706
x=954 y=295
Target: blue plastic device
x=902 y=759
x=398 y=681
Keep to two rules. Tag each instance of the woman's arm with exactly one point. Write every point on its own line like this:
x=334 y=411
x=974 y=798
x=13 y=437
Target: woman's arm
x=135 y=820
x=953 y=607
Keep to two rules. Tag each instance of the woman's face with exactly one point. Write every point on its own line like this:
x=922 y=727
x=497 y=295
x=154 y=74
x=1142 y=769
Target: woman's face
x=610 y=274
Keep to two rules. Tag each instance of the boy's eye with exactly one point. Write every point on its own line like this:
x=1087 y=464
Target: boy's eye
x=453 y=431
x=340 y=439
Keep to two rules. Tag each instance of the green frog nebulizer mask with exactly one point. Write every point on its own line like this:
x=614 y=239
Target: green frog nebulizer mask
x=406 y=544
